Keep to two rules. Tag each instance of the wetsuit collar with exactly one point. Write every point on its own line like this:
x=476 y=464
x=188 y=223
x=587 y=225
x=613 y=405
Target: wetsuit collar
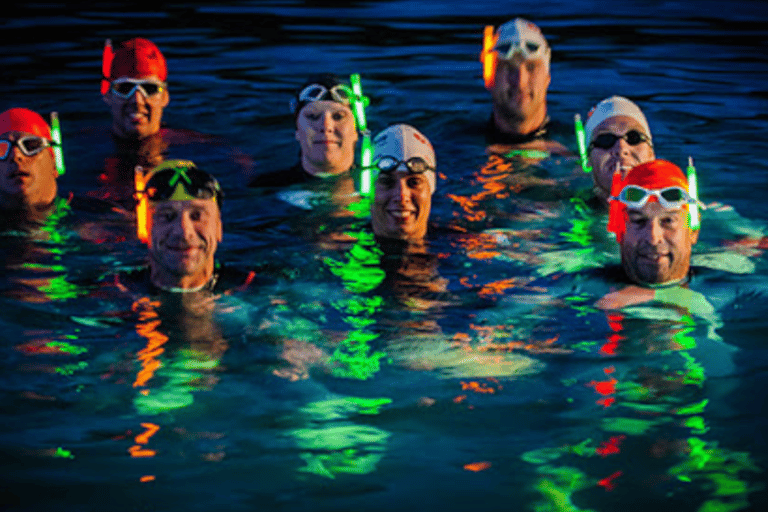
x=495 y=136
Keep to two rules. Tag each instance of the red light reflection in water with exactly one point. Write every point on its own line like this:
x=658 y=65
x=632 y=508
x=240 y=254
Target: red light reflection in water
x=611 y=446
x=608 y=482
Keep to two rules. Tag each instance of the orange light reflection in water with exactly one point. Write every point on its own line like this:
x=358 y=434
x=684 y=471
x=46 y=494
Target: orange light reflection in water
x=137 y=450
x=477 y=466
x=147 y=328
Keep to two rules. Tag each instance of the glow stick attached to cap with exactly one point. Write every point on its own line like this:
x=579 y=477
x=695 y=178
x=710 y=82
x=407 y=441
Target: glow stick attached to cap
x=366 y=150
x=581 y=140
x=58 y=154
x=488 y=57
x=693 y=190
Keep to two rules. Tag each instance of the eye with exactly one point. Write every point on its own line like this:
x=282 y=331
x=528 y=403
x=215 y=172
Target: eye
x=339 y=115
x=670 y=221
x=312 y=116
x=195 y=215
x=165 y=216
x=415 y=182
x=386 y=180
x=638 y=221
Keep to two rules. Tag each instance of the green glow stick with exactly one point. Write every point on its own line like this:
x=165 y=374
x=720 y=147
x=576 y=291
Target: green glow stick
x=693 y=191
x=581 y=140
x=56 y=136
x=366 y=151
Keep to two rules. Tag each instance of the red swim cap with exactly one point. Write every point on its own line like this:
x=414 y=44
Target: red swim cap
x=138 y=58
x=654 y=175
x=24 y=120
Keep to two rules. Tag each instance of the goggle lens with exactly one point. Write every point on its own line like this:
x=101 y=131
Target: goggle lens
x=316 y=92
x=125 y=88
x=30 y=146
x=670 y=197
x=607 y=140
x=198 y=184
x=528 y=49
x=415 y=165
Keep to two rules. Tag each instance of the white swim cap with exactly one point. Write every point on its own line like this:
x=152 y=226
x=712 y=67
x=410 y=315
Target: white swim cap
x=520 y=36
x=613 y=107
x=403 y=142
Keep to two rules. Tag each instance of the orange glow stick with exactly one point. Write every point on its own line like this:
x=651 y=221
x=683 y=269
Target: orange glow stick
x=488 y=57
x=142 y=208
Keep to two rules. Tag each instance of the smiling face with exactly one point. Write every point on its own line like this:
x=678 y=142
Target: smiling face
x=605 y=161
x=326 y=133
x=26 y=181
x=184 y=236
x=137 y=116
x=520 y=90
x=401 y=205
x=657 y=244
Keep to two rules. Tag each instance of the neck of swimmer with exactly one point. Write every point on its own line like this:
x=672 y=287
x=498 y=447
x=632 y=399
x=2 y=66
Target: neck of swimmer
x=320 y=169
x=520 y=125
x=180 y=284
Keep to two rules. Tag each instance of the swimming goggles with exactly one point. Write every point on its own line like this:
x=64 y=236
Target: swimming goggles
x=126 y=87
x=671 y=197
x=316 y=92
x=415 y=165
x=607 y=140
x=198 y=184
x=527 y=49
x=29 y=145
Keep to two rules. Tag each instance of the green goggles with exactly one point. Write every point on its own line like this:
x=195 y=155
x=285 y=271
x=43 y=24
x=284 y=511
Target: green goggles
x=198 y=184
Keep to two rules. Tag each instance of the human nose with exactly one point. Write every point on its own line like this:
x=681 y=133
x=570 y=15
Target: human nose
x=655 y=233
x=18 y=155
x=516 y=76
x=401 y=191
x=327 y=122
x=622 y=147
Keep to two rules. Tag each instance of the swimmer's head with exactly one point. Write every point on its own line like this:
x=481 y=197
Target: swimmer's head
x=649 y=214
x=617 y=137
x=325 y=125
x=185 y=227
x=138 y=92
x=405 y=162
x=521 y=77
x=27 y=166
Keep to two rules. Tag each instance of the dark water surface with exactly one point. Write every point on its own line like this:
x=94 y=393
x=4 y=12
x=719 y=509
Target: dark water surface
x=481 y=377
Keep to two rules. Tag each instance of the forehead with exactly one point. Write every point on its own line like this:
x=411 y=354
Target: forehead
x=322 y=106
x=653 y=209
x=181 y=206
x=618 y=125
